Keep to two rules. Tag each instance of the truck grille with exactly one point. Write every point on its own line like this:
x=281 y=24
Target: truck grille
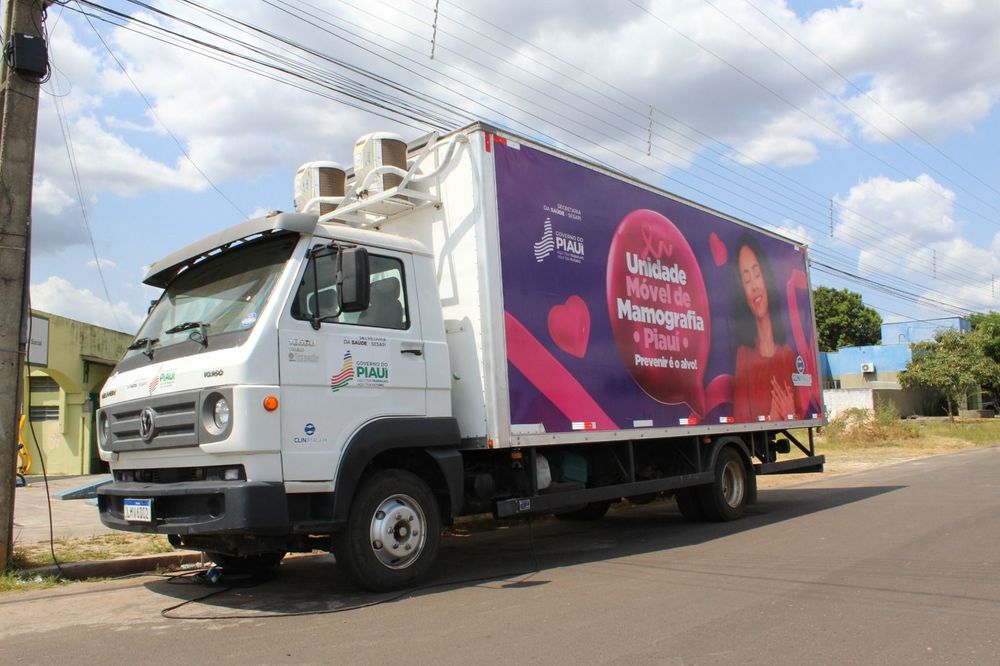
x=174 y=421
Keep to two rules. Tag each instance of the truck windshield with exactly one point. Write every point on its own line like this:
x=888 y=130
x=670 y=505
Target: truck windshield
x=214 y=303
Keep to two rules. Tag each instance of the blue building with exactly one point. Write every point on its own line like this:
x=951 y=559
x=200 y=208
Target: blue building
x=923 y=330
x=865 y=376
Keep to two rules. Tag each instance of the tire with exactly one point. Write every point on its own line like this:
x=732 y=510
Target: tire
x=261 y=565
x=592 y=511
x=400 y=507
x=726 y=497
x=689 y=503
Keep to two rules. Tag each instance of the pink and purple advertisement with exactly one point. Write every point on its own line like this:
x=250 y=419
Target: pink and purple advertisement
x=627 y=309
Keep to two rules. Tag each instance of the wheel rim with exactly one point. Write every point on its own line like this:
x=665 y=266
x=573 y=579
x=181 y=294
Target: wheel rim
x=398 y=531
x=733 y=484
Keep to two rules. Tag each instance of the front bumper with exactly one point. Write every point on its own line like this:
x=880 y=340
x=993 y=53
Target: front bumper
x=199 y=507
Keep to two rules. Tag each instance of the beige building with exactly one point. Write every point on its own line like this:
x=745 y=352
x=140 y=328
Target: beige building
x=68 y=362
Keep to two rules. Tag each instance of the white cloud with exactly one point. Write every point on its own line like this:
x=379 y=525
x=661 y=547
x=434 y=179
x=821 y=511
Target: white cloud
x=921 y=210
x=55 y=219
x=932 y=65
x=907 y=229
x=105 y=264
x=60 y=297
x=797 y=232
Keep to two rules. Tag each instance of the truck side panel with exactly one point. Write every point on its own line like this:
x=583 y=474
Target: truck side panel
x=628 y=312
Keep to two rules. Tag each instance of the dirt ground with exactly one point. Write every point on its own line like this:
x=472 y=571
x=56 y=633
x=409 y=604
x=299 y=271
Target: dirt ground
x=842 y=459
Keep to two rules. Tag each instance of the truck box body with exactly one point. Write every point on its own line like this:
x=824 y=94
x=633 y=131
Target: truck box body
x=583 y=306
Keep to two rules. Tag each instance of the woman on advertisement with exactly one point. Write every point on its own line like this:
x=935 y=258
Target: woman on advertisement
x=762 y=387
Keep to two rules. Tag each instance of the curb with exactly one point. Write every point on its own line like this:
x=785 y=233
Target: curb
x=128 y=566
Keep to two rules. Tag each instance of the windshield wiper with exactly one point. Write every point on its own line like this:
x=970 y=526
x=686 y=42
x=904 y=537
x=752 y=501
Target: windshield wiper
x=144 y=342
x=201 y=336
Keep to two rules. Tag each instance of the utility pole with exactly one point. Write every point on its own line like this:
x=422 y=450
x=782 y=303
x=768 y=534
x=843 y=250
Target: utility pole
x=24 y=65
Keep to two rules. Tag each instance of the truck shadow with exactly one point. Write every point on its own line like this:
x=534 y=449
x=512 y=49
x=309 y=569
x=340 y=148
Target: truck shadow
x=507 y=557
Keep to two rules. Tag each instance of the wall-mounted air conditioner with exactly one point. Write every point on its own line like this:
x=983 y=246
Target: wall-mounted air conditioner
x=867 y=367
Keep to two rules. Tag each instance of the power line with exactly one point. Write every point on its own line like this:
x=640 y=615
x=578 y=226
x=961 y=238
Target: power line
x=873 y=239
x=152 y=110
x=575 y=134
x=71 y=155
x=795 y=107
x=871 y=99
x=842 y=104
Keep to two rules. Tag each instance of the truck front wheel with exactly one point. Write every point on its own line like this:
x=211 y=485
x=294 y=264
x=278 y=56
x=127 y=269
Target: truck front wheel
x=725 y=498
x=393 y=532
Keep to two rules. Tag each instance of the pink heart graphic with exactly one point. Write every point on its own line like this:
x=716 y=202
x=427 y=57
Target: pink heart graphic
x=719 y=253
x=569 y=326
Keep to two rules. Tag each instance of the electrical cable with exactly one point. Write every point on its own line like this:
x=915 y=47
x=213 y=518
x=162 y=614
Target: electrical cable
x=874 y=239
x=152 y=110
x=251 y=70
x=41 y=457
x=250 y=582
x=71 y=155
x=844 y=105
x=802 y=111
x=871 y=99
x=710 y=145
x=362 y=101
x=713 y=198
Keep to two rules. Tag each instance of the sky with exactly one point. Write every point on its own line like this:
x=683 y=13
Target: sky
x=868 y=129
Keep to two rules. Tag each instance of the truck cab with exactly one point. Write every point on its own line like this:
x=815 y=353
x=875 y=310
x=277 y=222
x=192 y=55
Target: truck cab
x=216 y=421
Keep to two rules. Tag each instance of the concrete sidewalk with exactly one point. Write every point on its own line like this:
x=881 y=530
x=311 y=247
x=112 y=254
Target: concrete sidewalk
x=77 y=519
x=70 y=518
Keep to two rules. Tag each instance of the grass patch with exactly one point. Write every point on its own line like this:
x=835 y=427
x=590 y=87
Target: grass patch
x=101 y=547
x=17 y=581
x=974 y=431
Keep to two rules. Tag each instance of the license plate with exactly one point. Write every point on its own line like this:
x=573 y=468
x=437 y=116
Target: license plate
x=139 y=510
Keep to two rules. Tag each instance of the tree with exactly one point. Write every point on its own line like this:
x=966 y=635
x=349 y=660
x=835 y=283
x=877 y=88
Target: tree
x=988 y=325
x=955 y=364
x=843 y=320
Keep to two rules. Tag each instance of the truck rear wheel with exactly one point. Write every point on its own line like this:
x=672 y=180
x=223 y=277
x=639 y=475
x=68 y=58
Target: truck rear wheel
x=393 y=532
x=689 y=504
x=725 y=498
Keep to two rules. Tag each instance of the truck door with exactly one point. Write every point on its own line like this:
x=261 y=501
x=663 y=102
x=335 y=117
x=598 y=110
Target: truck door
x=357 y=367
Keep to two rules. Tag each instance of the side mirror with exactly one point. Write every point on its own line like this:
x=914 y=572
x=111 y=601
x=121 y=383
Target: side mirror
x=354 y=284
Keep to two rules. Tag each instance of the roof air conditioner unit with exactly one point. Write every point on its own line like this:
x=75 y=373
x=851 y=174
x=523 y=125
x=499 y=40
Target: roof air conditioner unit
x=867 y=367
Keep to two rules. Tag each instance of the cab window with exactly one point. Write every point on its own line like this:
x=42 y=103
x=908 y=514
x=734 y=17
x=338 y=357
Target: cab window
x=387 y=305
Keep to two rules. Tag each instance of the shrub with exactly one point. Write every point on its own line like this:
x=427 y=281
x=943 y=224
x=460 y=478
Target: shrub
x=881 y=424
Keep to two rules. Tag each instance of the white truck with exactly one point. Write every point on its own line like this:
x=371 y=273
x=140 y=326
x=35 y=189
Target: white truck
x=466 y=324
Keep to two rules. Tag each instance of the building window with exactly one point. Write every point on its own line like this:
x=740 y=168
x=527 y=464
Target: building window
x=44 y=413
x=831 y=384
x=43 y=384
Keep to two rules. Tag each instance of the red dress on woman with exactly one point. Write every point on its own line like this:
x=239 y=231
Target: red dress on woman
x=752 y=381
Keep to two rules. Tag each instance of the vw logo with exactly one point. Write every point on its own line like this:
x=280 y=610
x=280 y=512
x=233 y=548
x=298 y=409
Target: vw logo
x=147 y=424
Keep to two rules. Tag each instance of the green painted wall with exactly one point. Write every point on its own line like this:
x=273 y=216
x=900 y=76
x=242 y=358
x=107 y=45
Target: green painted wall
x=80 y=358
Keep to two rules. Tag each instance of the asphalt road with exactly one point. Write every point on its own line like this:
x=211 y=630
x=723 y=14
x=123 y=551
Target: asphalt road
x=894 y=565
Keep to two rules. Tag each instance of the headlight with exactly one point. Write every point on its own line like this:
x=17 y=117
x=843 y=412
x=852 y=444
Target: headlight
x=105 y=429
x=220 y=413
x=216 y=414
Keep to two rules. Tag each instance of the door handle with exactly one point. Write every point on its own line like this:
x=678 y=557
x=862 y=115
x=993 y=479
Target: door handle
x=415 y=352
